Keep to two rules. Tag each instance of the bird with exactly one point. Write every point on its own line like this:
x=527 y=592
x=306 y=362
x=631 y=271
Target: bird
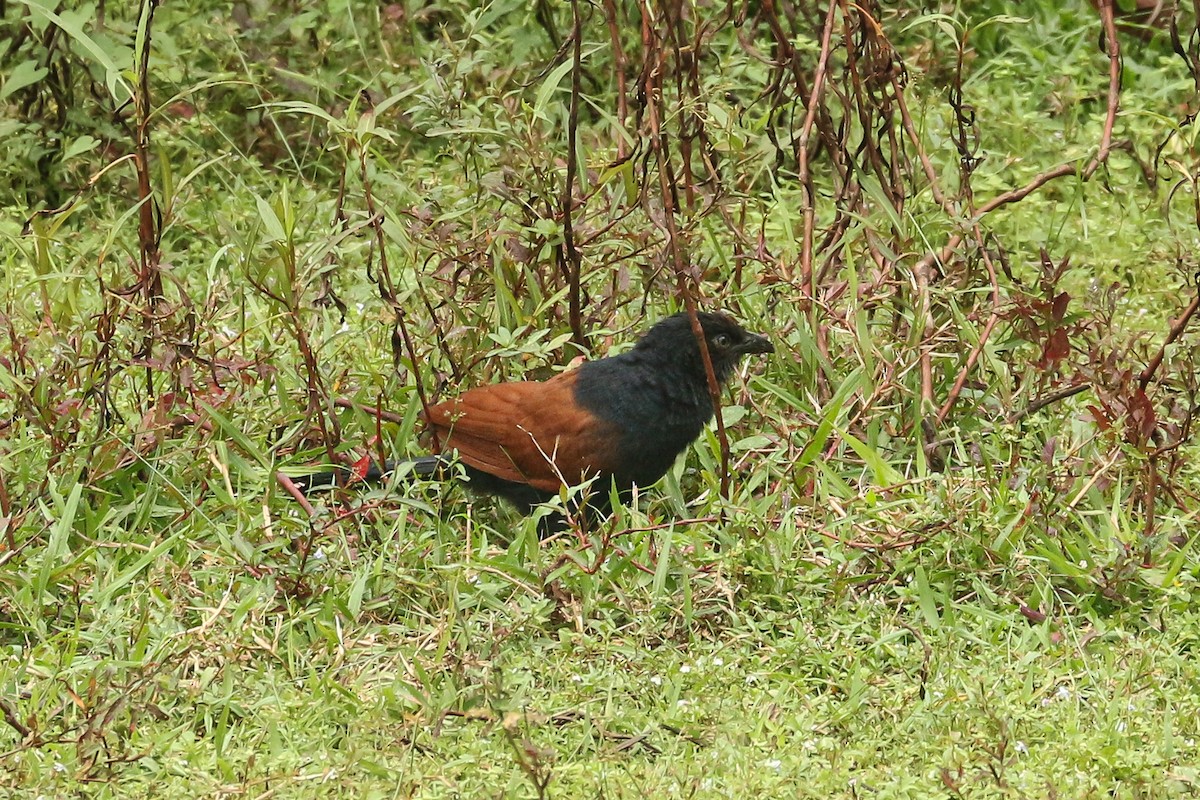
x=620 y=421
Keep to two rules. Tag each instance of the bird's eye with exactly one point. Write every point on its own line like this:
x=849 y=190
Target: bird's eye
x=722 y=340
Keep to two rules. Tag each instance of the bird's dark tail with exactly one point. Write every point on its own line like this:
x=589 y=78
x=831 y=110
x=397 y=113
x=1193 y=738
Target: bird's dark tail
x=422 y=466
x=430 y=467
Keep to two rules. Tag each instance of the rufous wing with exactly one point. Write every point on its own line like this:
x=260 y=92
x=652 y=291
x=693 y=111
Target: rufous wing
x=527 y=432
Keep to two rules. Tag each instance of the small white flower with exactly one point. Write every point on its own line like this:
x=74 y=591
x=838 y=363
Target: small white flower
x=1083 y=563
x=773 y=763
x=1022 y=748
x=656 y=680
x=751 y=679
x=577 y=679
x=718 y=661
x=681 y=704
x=685 y=669
x=1121 y=726
x=1063 y=693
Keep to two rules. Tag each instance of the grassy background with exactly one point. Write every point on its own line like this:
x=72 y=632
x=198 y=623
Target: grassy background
x=997 y=603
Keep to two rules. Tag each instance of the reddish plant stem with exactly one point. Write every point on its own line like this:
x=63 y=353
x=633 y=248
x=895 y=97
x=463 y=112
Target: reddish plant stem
x=686 y=284
x=977 y=350
x=1177 y=329
x=568 y=252
x=149 y=274
x=614 y=35
x=387 y=292
x=808 y=193
x=924 y=265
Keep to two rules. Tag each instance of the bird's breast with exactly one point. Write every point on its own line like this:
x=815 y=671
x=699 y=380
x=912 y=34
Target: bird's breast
x=656 y=414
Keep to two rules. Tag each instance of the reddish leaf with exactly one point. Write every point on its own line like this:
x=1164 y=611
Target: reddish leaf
x=66 y=407
x=1102 y=418
x=1142 y=419
x=360 y=467
x=1057 y=347
x=182 y=110
x=1048 y=450
x=1032 y=614
x=1059 y=308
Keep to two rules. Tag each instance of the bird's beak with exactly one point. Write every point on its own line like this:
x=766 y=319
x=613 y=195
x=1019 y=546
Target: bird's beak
x=753 y=343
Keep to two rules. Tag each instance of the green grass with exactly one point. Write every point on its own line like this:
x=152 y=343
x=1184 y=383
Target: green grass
x=987 y=610
x=433 y=689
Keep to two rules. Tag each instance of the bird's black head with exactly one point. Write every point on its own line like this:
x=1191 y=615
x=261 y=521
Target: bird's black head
x=727 y=342
x=655 y=397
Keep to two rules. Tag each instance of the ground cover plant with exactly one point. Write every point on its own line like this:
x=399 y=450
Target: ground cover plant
x=939 y=544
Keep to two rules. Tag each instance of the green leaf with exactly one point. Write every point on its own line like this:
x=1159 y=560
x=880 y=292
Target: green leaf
x=109 y=588
x=73 y=27
x=549 y=87
x=925 y=598
x=240 y=439
x=829 y=416
x=885 y=474
x=270 y=221
x=82 y=144
x=664 y=561
x=24 y=74
x=57 y=546
x=299 y=108
x=357 y=589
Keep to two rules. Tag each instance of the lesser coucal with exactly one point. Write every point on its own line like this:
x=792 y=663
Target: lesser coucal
x=622 y=420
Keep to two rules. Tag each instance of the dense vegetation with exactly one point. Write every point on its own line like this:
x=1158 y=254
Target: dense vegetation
x=940 y=545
